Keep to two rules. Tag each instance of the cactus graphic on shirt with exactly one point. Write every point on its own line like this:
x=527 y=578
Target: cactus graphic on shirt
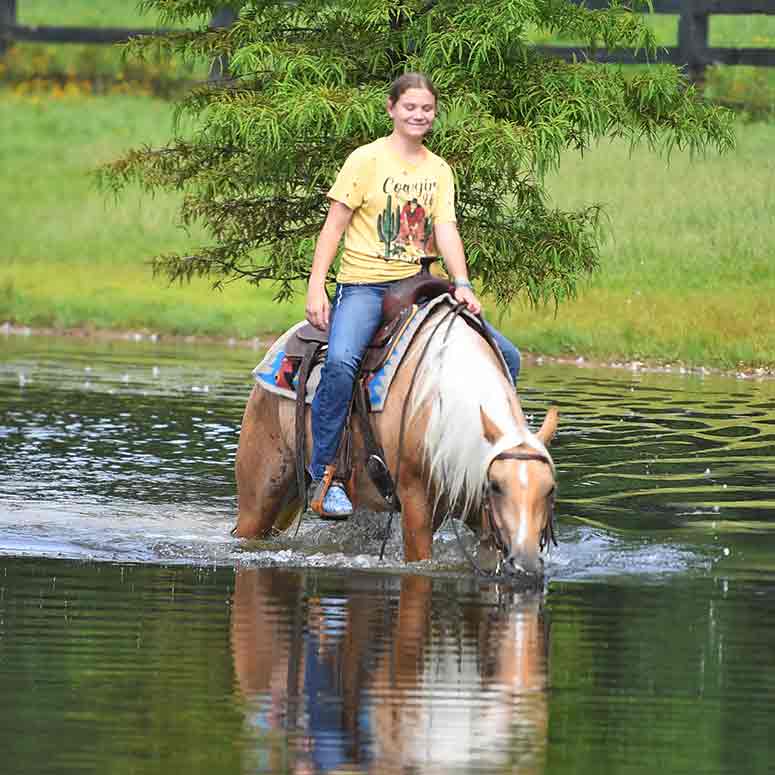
x=388 y=225
x=427 y=241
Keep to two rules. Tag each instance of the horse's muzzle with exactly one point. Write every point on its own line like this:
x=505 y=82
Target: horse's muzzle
x=522 y=564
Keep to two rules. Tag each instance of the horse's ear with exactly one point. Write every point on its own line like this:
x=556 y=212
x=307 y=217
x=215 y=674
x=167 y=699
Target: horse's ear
x=549 y=427
x=491 y=431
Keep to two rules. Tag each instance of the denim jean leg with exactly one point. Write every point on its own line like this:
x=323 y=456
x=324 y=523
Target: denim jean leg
x=355 y=318
x=509 y=351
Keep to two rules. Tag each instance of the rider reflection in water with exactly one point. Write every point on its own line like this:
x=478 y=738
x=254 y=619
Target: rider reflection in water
x=394 y=202
x=338 y=721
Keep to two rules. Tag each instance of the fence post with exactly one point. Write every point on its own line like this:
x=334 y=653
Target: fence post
x=693 y=40
x=219 y=69
x=8 y=17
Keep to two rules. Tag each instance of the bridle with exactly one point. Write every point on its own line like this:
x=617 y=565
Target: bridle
x=548 y=532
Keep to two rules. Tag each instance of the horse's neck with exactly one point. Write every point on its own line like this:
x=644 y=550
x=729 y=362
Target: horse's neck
x=460 y=376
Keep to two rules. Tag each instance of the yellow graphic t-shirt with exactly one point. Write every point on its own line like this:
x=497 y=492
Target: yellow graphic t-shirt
x=396 y=205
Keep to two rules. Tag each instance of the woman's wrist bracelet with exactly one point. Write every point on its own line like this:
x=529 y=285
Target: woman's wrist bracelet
x=460 y=282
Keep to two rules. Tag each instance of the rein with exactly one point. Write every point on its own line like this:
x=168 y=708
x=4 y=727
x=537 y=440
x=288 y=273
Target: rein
x=453 y=312
x=548 y=532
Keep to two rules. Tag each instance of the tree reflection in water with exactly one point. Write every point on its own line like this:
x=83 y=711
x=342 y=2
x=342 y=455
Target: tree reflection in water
x=364 y=680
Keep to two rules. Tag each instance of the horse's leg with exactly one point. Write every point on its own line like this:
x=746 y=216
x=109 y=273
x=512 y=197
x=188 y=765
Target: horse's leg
x=413 y=491
x=416 y=520
x=265 y=469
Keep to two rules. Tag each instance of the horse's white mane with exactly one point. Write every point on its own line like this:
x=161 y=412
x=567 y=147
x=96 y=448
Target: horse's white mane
x=458 y=375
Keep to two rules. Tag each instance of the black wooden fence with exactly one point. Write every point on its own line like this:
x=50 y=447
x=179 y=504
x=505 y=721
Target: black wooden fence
x=11 y=31
x=693 y=49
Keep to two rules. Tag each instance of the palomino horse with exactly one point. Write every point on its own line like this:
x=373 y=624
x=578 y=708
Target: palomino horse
x=466 y=447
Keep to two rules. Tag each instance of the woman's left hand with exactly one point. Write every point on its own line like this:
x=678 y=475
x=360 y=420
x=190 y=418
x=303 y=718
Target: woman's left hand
x=468 y=297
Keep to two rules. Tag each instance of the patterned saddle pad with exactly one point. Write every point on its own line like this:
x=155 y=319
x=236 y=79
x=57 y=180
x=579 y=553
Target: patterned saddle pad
x=279 y=374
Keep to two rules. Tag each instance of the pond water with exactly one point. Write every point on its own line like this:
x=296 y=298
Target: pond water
x=137 y=636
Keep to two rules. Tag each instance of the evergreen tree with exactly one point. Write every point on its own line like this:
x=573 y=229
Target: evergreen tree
x=307 y=84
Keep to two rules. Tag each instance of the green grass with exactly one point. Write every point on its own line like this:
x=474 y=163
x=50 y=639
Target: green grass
x=71 y=256
x=687 y=271
x=125 y=298
x=84 y=13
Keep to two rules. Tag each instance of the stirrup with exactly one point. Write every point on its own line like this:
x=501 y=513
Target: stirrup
x=320 y=496
x=380 y=476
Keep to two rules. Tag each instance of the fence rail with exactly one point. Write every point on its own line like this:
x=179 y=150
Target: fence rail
x=692 y=49
x=24 y=34
x=11 y=31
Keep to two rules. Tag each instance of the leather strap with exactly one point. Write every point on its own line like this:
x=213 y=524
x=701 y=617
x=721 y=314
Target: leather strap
x=509 y=455
x=378 y=471
x=300 y=430
x=344 y=456
x=548 y=533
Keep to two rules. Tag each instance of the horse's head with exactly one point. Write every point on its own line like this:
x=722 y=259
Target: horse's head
x=519 y=498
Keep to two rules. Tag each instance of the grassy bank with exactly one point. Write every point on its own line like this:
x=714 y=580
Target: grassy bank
x=687 y=264
x=69 y=256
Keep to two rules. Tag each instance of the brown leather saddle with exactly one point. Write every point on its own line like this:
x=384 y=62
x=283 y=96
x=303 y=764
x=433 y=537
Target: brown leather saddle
x=398 y=306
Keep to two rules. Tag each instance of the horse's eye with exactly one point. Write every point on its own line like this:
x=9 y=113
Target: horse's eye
x=495 y=488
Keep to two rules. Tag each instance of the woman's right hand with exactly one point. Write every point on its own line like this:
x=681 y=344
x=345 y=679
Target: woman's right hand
x=318 y=307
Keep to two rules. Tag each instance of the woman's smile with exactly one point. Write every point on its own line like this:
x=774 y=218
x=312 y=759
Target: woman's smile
x=414 y=111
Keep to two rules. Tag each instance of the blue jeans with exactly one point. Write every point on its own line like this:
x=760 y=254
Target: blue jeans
x=355 y=317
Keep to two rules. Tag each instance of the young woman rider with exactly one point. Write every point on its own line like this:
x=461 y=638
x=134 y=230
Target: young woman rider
x=394 y=201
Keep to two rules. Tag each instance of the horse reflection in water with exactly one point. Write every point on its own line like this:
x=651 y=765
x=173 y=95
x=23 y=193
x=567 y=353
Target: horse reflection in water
x=354 y=684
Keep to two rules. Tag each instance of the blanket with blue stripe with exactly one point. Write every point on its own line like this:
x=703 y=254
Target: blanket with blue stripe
x=279 y=374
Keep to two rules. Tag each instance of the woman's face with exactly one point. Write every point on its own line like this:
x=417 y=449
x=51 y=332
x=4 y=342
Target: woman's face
x=413 y=112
